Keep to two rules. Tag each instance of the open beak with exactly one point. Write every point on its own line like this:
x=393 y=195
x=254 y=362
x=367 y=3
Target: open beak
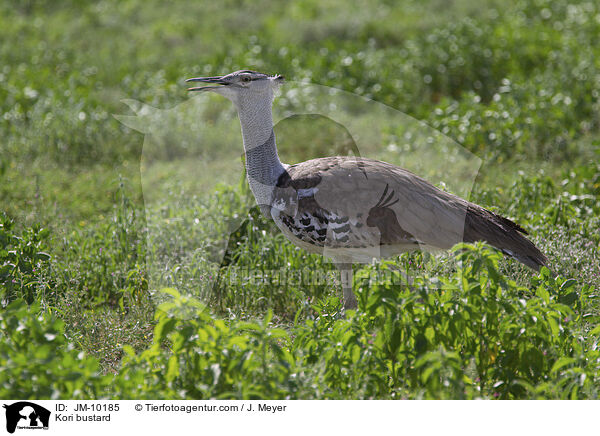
x=216 y=80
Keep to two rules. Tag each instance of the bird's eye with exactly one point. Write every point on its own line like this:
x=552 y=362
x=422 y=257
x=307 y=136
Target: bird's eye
x=246 y=79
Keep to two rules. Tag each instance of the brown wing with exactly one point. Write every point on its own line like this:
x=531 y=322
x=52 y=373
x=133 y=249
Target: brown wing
x=397 y=203
x=387 y=205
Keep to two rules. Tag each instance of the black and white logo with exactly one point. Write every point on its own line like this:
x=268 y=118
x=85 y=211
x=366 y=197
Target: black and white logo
x=26 y=415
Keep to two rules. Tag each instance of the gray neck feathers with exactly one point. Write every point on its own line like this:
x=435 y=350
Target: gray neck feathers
x=263 y=166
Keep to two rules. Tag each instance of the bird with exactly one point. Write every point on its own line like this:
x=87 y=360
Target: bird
x=353 y=209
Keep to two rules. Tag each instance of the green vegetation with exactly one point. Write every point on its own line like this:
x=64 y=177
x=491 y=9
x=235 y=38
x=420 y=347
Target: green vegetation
x=125 y=280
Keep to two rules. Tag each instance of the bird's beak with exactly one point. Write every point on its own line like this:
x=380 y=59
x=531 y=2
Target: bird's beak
x=217 y=80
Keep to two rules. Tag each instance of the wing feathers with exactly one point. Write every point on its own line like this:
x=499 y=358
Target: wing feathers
x=388 y=205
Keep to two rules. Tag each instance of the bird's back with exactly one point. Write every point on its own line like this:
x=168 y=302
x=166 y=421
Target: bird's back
x=362 y=208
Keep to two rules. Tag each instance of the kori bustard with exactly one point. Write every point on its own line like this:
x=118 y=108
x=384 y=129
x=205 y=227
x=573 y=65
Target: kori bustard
x=352 y=209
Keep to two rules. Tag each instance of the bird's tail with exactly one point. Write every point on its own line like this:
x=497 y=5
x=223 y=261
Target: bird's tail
x=507 y=236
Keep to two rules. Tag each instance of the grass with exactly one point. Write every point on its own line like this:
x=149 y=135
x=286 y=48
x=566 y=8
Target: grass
x=127 y=224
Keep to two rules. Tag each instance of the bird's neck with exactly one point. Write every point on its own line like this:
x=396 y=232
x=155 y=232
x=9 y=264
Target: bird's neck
x=263 y=166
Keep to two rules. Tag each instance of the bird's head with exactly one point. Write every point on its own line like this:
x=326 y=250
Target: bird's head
x=241 y=86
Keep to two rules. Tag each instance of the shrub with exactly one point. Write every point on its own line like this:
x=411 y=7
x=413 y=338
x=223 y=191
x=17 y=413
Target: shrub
x=24 y=262
x=197 y=356
x=37 y=362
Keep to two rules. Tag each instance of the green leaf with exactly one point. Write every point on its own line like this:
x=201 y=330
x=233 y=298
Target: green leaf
x=569 y=299
x=595 y=331
x=561 y=363
x=172 y=369
x=553 y=326
x=172 y=292
x=128 y=349
x=163 y=328
x=569 y=283
x=543 y=293
x=42 y=255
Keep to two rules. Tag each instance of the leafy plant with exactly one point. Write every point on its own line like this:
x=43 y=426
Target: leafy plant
x=37 y=361
x=196 y=356
x=24 y=262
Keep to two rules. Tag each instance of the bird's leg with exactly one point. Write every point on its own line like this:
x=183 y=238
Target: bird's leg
x=346 y=274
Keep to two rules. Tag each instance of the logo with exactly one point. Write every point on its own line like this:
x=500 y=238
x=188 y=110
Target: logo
x=26 y=415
